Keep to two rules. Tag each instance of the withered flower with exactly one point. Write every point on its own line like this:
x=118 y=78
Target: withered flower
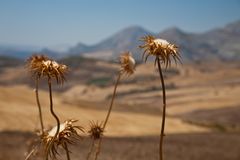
x=127 y=63
x=34 y=63
x=66 y=135
x=52 y=69
x=160 y=48
x=96 y=130
x=164 y=52
x=41 y=65
x=127 y=68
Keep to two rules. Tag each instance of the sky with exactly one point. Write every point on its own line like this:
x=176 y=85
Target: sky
x=68 y=22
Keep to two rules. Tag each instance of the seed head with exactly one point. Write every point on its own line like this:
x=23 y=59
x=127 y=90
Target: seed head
x=34 y=63
x=127 y=63
x=161 y=49
x=96 y=130
x=41 y=66
x=67 y=133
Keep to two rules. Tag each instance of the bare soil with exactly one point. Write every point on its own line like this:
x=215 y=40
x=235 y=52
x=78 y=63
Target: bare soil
x=209 y=146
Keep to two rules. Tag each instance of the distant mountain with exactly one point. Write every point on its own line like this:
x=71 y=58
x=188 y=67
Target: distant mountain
x=49 y=52
x=14 y=53
x=221 y=43
x=79 y=48
x=192 y=46
x=226 y=40
x=22 y=52
x=125 y=40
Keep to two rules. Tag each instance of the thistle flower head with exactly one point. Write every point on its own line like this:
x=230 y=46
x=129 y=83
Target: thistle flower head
x=66 y=135
x=35 y=62
x=127 y=63
x=160 y=48
x=41 y=66
x=96 y=130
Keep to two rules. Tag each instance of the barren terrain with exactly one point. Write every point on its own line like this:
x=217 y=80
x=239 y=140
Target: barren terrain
x=203 y=104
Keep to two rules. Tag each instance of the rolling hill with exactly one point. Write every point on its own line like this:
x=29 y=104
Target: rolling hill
x=218 y=43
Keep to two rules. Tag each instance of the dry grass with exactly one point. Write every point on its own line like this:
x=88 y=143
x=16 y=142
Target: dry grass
x=202 y=97
x=24 y=105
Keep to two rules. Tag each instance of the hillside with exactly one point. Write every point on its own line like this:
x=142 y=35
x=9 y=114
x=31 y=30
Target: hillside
x=219 y=43
x=193 y=90
x=202 y=104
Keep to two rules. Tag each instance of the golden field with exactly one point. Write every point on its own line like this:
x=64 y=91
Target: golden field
x=203 y=104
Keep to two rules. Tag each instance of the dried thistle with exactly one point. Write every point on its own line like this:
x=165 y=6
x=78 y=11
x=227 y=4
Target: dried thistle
x=127 y=63
x=127 y=67
x=52 y=69
x=161 y=49
x=96 y=130
x=41 y=66
x=66 y=135
x=33 y=63
x=164 y=52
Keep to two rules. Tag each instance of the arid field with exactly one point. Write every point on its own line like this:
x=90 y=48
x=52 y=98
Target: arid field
x=203 y=108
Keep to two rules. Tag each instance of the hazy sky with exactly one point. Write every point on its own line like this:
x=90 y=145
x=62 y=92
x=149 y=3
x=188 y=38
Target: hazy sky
x=53 y=22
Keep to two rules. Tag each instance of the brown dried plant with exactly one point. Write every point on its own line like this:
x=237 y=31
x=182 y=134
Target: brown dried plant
x=127 y=68
x=41 y=66
x=51 y=69
x=33 y=63
x=164 y=52
x=127 y=63
x=95 y=132
x=67 y=134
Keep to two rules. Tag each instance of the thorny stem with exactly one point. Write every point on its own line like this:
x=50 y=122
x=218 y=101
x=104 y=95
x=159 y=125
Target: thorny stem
x=108 y=115
x=111 y=104
x=38 y=104
x=54 y=115
x=67 y=151
x=163 y=112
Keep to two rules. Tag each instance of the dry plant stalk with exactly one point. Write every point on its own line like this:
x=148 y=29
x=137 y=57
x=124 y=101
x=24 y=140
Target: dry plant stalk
x=33 y=64
x=39 y=104
x=41 y=66
x=51 y=69
x=164 y=53
x=127 y=68
x=67 y=134
x=96 y=133
x=55 y=116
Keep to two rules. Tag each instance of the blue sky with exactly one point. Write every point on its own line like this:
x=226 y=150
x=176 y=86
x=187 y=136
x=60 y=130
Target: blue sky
x=53 y=22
